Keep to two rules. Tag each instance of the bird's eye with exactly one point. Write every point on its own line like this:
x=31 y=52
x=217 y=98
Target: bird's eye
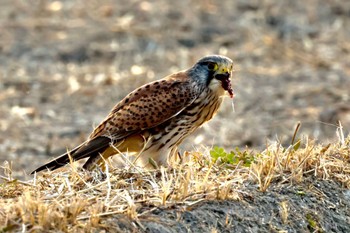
x=212 y=66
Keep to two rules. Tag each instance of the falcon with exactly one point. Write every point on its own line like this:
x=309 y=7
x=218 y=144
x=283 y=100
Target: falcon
x=154 y=119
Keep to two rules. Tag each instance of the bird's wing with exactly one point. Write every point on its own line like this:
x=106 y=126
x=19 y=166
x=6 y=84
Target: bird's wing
x=144 y=108
x=147 y=107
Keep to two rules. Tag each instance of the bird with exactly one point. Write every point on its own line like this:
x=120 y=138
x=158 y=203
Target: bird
x=153 y=120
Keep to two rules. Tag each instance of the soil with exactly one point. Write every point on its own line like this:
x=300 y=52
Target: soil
x=321 y=206
x=64 y=64
x=318 y=208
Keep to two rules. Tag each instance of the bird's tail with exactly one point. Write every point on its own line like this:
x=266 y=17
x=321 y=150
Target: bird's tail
x=57 y=162
x=87 y=149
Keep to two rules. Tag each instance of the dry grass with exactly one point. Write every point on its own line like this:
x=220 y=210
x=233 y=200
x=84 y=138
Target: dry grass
x=74 y=200
x=292 y=164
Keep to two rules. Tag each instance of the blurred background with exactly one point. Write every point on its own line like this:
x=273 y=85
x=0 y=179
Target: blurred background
x=64 y=64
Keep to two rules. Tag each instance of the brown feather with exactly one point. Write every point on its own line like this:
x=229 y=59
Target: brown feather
x=147 y=107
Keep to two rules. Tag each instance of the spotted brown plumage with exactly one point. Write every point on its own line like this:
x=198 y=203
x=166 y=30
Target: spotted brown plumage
x=155 y=118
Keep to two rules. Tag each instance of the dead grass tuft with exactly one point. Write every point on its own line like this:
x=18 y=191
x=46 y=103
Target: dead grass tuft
x=293 y=164
x=72 y=200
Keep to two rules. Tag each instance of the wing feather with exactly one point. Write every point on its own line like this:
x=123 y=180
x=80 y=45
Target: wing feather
x=147 y=107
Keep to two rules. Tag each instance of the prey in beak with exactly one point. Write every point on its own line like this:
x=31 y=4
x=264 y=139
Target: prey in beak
x=223 y=74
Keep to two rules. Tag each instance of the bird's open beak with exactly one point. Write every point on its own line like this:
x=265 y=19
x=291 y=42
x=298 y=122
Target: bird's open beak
x=223 y=74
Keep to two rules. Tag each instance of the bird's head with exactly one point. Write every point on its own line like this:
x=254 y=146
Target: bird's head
x=214 y=71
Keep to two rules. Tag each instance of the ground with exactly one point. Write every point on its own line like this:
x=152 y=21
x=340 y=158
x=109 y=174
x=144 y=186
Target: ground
x=261 y=212
x=64 y=64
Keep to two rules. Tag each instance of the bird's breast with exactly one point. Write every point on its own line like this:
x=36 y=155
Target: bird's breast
x=204 y=108
x=164 y=139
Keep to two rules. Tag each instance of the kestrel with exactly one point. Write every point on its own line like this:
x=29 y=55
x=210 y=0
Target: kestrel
x=156 y=117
